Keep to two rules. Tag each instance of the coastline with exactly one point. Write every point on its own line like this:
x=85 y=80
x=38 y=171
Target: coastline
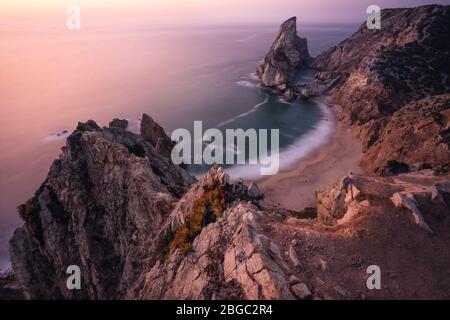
x=139 y=226
x=300 y=149
x=295 y=189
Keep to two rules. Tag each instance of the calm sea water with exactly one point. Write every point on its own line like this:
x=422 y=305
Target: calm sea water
x=51 y=78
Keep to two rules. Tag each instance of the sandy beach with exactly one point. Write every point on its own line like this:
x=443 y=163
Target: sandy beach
x=295 y=189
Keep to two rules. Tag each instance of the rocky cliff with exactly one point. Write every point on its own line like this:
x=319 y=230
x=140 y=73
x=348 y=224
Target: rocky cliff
x=393 y=87
x=254 y=252
x=140 y=227
x=100 y=208
x=287 y=54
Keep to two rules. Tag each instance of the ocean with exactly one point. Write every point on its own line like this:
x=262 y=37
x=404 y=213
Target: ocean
x=51 y=78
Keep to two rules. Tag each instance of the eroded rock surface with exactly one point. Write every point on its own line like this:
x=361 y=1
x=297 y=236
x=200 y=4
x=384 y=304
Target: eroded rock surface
x=9 y=288
x=140 y=227
x=392 y=86
x=99 y=208
x=155 y=134
x=288 y=53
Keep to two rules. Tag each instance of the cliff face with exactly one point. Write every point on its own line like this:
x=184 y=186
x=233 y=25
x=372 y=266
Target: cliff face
x=113 y=211
x=99 y=208
x=257 y=252
x=141 y=228
x=287 y=54
x=393 y=87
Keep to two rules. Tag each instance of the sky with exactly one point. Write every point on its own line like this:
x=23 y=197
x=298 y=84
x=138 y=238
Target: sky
x=339 y=11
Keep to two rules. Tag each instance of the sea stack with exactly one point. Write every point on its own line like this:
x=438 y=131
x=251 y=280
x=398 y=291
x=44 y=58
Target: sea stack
x=140 y=227
x=287 y=54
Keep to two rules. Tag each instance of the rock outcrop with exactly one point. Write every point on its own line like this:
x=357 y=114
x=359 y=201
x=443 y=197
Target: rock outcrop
x=100 y=207
x=155 y=134
x=355 y=194
x=140 y=227
x=230 y=257
x=287 y=54
x=393 y=87
x=9 y=288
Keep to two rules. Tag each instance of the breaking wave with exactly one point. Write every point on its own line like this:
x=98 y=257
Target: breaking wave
x=290 y=155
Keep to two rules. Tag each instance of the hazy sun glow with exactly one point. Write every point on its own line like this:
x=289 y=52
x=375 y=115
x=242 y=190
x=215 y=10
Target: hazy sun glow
x=208 y=10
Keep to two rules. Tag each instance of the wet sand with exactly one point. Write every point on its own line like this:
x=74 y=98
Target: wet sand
x=295 y=189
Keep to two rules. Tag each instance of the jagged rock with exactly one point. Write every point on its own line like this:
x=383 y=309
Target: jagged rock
x=101 y=204
x=289 y=95
x=293 y=257
x=331 y=204
x=424 y=123
x=9 y=289
x=145 y=243
x=311 y=90
x=228 y=255
x=393 y=87
x=254 y=192
x=354 y=194
x=221 y=263
x=155 y=134
x=119 y=123
x=141 y=228
x=287 y=54
x=301 y=291
x=90 y=125
x=407 y=200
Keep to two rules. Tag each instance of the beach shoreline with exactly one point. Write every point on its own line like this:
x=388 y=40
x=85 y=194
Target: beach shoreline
x=295 y=188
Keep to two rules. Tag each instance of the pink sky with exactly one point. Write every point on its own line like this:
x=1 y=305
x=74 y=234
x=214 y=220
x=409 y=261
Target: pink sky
x=210 y=10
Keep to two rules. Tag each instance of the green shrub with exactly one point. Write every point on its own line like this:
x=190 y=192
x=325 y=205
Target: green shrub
x=212 y=201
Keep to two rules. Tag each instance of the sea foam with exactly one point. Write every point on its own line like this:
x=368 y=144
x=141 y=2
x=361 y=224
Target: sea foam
x=241 y=115
x=57 y=136
x=300 y=149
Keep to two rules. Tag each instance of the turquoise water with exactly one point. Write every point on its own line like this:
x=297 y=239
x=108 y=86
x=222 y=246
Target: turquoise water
x=293 y=120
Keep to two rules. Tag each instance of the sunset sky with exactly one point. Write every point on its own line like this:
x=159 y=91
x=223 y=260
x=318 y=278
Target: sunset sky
x=208 y=10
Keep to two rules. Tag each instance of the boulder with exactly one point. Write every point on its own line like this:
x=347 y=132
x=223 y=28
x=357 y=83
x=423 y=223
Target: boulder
x=301 y=291
x=311 y=90
x=289 y=95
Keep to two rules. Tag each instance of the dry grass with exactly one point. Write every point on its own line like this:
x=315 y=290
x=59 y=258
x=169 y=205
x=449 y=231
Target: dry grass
x=212 y=201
